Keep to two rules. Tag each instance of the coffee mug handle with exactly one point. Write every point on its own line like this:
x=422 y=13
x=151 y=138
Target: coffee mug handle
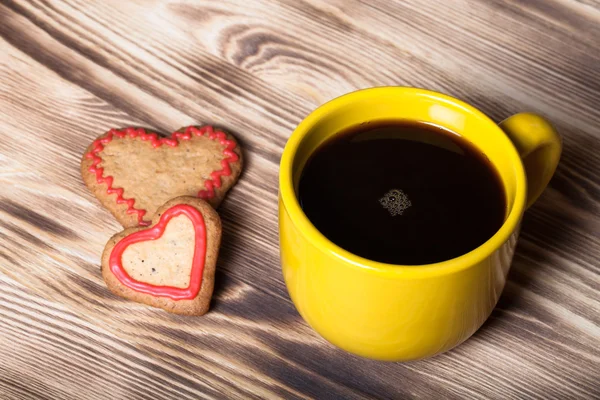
x=539 y=146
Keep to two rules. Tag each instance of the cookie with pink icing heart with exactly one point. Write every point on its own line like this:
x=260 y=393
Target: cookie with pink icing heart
x=132 y=171
x=169 y=264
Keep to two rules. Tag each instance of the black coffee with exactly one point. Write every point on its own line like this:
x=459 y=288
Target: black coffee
x=402 y=193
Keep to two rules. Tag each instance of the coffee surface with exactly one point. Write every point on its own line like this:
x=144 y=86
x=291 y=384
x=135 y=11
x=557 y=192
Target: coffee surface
x=402 y=192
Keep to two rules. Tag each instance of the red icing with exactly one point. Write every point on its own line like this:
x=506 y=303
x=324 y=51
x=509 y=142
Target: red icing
x=173 y=141
x=154 y=233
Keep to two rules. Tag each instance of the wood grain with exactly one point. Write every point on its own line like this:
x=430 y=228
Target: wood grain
x=71 y=69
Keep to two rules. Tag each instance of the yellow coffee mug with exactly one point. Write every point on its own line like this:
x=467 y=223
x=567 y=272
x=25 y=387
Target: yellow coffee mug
x=397 y=312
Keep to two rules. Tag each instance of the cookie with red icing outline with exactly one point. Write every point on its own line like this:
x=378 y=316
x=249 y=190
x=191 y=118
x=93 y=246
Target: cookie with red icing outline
x=170 y=264
x=132 y=171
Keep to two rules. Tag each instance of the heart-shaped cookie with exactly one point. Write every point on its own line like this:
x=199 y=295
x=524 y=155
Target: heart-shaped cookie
x=132 y=172
x=171 y=264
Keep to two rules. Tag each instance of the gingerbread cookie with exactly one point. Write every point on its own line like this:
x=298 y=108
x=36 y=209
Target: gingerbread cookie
x=170 y=264
x=133 y=172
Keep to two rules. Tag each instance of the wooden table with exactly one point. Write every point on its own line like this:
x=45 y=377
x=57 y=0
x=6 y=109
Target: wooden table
x=69 y=70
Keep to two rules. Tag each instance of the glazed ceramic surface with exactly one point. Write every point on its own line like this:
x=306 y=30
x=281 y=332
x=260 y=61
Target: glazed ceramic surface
x=395 y=312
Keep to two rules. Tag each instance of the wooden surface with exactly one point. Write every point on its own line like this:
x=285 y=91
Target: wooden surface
x=71 y=69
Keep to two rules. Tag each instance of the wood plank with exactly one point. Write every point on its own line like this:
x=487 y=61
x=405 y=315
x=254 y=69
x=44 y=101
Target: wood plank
x=71 y=69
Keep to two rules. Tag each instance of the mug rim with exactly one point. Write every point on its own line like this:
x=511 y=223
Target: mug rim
x=302 y=222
